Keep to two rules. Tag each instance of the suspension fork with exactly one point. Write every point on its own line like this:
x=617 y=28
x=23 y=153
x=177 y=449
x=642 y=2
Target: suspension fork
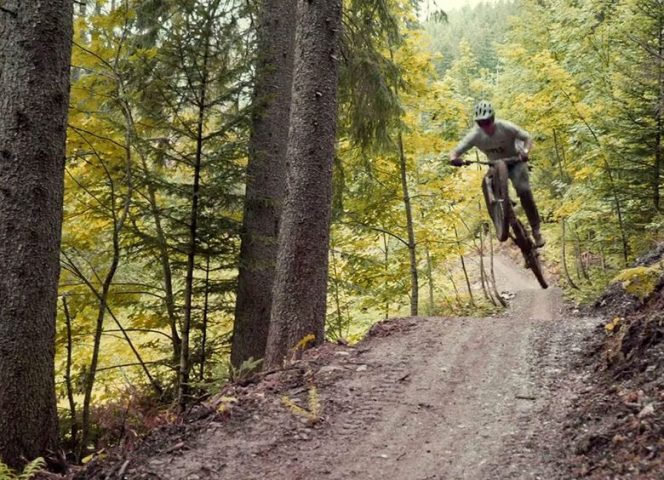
x=488 y=183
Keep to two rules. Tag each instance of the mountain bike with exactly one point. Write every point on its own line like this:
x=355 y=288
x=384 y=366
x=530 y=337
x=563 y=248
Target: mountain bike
x=495 y=188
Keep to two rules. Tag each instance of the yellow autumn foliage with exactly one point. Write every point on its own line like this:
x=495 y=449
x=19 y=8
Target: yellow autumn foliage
x=640 y=281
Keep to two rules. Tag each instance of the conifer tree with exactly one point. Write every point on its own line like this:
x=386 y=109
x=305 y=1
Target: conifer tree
x=299 y=303
x=266 y=179
x=35 y=48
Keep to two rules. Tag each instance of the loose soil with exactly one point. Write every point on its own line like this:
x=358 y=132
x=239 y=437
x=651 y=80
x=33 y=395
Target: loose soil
x=418 y=399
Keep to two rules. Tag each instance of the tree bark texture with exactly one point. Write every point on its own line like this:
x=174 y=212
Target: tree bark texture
x=299 y=302
x=35 y=51
x=266 y=179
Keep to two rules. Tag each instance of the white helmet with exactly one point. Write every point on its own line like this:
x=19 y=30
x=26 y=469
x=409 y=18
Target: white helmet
x=483 y=111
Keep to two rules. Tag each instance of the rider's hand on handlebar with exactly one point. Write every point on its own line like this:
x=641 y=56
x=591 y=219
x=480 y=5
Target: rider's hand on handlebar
x=457 y=162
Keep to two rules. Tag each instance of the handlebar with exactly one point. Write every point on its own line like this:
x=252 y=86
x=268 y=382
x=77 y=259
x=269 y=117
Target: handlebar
x=508 y=161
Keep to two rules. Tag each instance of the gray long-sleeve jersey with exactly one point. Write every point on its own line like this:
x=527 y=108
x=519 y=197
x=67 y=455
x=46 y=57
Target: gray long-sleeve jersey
x=502 y=144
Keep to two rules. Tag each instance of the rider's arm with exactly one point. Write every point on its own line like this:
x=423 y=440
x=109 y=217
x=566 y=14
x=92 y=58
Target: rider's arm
x=528 y=146
x=521 y=134
x=464 y=145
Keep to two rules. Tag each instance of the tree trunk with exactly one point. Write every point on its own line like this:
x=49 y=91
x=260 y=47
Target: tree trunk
x=577 y=251
x=431 y=309
x=266 y=179
x=338 y=331
x=103 y=295
x=164 y=259
x=657 y=170
x=185 y=360
x=204 y=326
x=483 y=276
x=35 y=51
x=68 y=381
x=414 y=283
x=386 y=246
x=563 y=242
x=494 y=287
x=299 y=303
x=463 y=267
x=456 y=289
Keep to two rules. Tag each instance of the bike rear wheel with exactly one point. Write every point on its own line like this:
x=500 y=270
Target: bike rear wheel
x=500 y=209
x=529 y=252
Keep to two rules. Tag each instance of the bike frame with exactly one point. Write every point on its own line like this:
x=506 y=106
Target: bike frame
x=518 y=234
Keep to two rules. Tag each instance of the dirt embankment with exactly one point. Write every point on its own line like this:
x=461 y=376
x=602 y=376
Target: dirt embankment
x=420 y=398
x=619 y=424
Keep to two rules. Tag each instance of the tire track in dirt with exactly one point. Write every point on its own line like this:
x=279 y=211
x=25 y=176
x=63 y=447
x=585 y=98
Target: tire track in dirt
x=424 y=399
x=476 y=394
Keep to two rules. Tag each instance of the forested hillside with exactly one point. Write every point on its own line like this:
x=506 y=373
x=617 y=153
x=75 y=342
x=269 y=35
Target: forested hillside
x=477 y=28
x=244 y=180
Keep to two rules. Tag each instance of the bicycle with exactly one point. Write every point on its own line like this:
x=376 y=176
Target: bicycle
x=495 y=188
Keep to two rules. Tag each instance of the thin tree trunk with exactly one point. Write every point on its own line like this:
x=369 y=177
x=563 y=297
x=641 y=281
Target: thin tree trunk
x=449 y=303
x=77 y=271
x=164 y=259
x=577 y=251
x=300 y=289
x=560 y=155
x=577 y=267
x=463 y=266
x=414 y=291
x=266 y=179
x=185 y=360
x=657 y=170
x=493 y=274
x=337 y=300
x=564 y=257
x=68 y=382
x=118 y=225
x=35 y=50
x=387 y=267
x=456 y=289
x=430 y=310
x=204 y=326
x=483 y=276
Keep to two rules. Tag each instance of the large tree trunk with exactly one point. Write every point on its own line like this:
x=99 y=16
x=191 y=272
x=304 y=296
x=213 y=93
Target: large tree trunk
x=300 y=288
x=35 y=50
x=266 y=179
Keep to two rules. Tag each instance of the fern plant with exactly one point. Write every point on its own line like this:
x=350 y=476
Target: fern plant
x=29 y=471
x=312 y=413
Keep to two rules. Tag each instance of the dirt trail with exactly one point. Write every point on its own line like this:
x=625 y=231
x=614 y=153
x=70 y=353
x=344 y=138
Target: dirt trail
x=426 y=398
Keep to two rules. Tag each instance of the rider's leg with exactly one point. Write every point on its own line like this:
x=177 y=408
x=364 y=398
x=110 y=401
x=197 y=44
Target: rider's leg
x=520 y=179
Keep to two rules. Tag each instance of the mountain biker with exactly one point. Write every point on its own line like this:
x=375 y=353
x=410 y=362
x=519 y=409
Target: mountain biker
x=498 y=139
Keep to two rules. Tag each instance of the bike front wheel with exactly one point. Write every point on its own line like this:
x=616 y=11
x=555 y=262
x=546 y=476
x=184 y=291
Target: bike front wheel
x=497 y=200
